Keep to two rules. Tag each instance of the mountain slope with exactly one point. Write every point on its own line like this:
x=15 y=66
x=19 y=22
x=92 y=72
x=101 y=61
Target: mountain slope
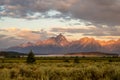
x=59 y=44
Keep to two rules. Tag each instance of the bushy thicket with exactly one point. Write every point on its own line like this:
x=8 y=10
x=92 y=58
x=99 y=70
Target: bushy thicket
x=61 y=71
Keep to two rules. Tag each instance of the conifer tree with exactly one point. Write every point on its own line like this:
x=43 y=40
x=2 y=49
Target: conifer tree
x=30 y=58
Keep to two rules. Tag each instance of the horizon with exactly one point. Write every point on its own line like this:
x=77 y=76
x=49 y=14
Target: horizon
x=24 y=21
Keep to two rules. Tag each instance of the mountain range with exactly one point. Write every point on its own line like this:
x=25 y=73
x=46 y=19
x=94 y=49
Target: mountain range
x=60 y=45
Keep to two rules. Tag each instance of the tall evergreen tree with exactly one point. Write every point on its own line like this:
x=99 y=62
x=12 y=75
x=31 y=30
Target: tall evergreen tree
x=30 y=58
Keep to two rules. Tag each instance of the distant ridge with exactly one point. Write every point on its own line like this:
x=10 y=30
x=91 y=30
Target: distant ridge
x=11 y=54
x=92 y=54
x=60 y=45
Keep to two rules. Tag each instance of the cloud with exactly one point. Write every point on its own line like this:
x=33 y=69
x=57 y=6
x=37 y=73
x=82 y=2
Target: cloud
x=104 y=31
x=33 y=35
x=90 y=31
x=2 y=36
x=96 y=11
x=69 y=30
x=7 y=41
x=109 y=37
x=27 y=8
x=15 y=36
x=26 y=34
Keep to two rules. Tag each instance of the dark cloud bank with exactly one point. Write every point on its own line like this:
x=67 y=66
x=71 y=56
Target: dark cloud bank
x=105 y=12
x=92 y=31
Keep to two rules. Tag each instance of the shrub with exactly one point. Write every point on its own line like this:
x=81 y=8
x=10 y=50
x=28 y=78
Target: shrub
x=30 y=58
x=76 y=60
x=66 y=60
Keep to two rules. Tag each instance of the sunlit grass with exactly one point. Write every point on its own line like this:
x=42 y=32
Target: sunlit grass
x=61 y=71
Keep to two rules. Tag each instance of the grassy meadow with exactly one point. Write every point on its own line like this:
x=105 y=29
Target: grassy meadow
x=61 y=68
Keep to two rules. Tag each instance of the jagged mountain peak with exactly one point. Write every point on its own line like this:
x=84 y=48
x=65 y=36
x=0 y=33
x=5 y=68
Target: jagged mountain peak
x=87 y=40
x=61 y=37
x=104 y=43
x=59 y=40
x=26 y=44
x=112 y=41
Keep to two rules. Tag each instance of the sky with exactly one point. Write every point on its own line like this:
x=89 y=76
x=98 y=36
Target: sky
x=33 y=20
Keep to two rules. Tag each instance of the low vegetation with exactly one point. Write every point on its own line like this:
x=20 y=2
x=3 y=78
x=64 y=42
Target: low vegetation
x=61 y=68
x=60 y=71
